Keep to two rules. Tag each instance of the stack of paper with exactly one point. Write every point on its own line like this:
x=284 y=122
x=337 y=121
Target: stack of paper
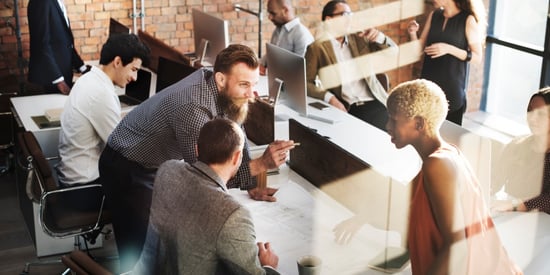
x=53 y=114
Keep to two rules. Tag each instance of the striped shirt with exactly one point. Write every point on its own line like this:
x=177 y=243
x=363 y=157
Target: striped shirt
x=166 y=126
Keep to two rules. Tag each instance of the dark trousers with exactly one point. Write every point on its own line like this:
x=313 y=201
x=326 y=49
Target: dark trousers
x=128 y=189
x=457 y=115
x=372 y=112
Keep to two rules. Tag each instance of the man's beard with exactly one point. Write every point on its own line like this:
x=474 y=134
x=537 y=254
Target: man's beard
x=236 y=109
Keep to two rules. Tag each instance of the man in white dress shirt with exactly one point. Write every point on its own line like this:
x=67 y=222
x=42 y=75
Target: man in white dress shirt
x=289 y=33
x=93 y=109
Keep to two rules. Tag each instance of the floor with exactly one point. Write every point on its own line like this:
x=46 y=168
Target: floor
x=16 y=245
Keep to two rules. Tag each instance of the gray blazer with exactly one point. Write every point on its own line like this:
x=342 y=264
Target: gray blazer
x=195 y=227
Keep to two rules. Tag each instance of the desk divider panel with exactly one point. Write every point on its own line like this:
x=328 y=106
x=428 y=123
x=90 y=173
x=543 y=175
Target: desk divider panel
x=170 y=72
x=319 y=160
x=260 y=122
x=159 y=48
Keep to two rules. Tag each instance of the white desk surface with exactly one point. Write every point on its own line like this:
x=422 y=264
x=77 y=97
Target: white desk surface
x=36 y=105
x=526 y=237
x=301 y=222
x=29 y=106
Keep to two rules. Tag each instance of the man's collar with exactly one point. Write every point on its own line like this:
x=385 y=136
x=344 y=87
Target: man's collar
x=291 y=24
x=207 y=171
x=345 y=42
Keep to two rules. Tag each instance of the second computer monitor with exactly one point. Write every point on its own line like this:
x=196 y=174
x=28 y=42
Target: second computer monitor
x=211 y=36
x=290 y=69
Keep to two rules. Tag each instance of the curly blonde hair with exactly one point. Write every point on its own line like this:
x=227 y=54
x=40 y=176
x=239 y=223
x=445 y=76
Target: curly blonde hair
x=420 y=98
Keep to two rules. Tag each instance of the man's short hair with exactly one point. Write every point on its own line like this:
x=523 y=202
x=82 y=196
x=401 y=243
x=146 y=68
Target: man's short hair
x=127 y=46
x=234 y=54
x=218 y=140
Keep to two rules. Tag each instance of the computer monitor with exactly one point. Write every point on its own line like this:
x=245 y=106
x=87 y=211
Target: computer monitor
x=138 y=91
x=116 y=27
x=289 y=69
x=314 y=158
x=211 y=36
x=170 y=72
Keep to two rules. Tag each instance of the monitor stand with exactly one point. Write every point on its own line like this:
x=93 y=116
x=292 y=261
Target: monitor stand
x=200 y=54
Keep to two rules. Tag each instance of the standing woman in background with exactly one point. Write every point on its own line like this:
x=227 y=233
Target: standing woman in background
x=452 y=37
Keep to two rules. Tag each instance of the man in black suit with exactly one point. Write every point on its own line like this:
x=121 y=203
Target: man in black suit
x=52 y=53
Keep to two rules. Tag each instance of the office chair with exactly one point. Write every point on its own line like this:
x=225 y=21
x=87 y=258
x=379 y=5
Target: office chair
x=58 y=218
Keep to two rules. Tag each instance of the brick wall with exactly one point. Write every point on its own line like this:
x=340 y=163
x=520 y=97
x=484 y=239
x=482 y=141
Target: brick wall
x=170 y=21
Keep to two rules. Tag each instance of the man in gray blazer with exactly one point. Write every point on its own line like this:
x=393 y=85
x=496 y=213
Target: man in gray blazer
x=195 y=226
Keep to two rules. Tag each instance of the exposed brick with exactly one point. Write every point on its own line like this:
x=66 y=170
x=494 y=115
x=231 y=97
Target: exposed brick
x=170 y=20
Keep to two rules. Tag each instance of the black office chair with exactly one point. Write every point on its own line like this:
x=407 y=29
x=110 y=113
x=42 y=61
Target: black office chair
x=58 y=218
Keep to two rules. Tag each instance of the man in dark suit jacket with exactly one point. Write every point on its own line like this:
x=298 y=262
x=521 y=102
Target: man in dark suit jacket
x=52 y=53
x=195 y=226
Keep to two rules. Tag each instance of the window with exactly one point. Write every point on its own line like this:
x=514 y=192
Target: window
x=518 y=56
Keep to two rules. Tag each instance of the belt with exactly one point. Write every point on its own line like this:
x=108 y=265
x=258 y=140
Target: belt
x=360 y=103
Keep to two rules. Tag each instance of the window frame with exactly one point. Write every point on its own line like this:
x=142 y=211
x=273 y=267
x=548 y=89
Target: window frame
x=491 y=40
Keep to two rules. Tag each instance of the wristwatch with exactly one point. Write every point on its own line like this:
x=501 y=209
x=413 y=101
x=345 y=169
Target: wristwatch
x=468 y=55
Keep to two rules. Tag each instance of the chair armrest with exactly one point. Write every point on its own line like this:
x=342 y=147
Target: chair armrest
x=88 y=264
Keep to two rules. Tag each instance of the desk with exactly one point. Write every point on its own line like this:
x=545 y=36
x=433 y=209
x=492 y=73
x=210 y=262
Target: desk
x=301 y=222
x=383 y=192
x=526 y=237
x=25 y=107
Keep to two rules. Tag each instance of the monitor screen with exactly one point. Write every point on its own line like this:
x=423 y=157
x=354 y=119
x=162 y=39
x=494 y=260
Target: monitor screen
x=116 y=27
x=212 y=32
x=290 y=69
x=170 y=72
x=140 y=88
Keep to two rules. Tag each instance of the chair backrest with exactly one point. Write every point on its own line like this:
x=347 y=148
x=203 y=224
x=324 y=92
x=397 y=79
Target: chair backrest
x=40 y=178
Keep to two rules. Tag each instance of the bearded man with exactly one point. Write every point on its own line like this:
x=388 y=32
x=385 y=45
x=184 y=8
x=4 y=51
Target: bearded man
x=166 y=127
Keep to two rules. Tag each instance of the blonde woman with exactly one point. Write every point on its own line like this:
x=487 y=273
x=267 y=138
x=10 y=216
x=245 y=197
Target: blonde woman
x=450 y=230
